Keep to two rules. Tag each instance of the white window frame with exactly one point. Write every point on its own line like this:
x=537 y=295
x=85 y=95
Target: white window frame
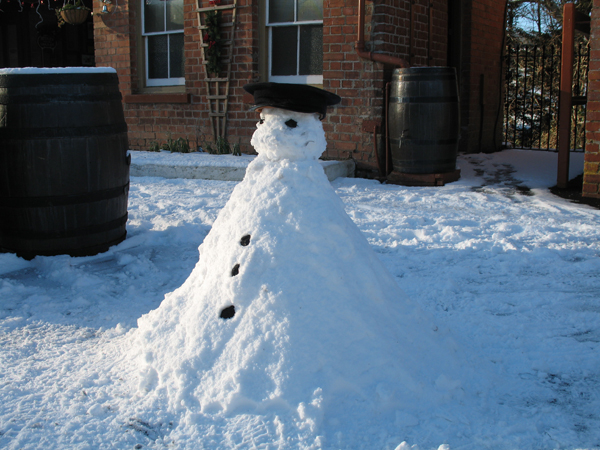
x=298 y=79
x=150 y=82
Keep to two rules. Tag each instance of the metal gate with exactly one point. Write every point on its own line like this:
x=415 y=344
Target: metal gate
x=531 y=105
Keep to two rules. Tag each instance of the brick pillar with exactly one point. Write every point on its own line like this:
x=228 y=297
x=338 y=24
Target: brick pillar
x=591 y=171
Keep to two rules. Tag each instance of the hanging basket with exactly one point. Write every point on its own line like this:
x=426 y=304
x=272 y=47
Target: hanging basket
x=74 y=16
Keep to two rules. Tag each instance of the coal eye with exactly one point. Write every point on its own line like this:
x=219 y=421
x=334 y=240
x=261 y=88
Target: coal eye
x=292 y=123
x=261 y=121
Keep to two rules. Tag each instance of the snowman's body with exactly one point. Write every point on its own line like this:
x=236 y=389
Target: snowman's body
x=318 y=336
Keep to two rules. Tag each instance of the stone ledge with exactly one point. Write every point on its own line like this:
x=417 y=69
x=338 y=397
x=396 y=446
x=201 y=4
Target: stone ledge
x=212 y=167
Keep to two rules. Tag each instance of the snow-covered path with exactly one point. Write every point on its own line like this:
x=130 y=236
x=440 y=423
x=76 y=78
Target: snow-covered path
x=511 y=270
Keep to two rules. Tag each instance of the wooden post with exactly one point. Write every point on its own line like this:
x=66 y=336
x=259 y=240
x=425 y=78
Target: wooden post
x=565 y=99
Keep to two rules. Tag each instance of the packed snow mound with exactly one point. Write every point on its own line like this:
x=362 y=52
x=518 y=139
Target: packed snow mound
x=290 y=318
x=320 y=329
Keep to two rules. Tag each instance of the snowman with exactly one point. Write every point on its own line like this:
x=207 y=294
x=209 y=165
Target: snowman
x=290 y=115
x=289 y=329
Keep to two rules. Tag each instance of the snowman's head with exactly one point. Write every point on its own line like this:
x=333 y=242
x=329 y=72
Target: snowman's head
x=285 y=134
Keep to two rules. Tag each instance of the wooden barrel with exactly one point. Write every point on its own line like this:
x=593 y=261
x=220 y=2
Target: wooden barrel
x=64 y=167
x=423 y=118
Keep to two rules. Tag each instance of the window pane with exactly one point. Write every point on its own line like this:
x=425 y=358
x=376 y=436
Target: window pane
x=158 y=56
x=311 y=50
x=310 y=10
x=154 y=16
x=176 y=48
x=174 y=15
x=284 y=50
x=281 y=11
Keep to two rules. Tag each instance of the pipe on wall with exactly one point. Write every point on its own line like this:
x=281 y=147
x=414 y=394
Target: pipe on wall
x=359 y=47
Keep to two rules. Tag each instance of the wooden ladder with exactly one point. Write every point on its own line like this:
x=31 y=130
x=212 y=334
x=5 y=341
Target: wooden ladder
x=217 y=85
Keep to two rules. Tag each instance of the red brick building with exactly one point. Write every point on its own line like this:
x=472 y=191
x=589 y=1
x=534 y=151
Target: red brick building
x=465 y=34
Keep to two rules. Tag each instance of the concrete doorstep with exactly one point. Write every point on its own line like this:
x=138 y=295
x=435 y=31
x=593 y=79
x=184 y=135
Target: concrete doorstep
x=205 y=166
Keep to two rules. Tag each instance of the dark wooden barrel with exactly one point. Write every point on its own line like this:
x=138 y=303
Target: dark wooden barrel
x=64 y=168
x=423 y=120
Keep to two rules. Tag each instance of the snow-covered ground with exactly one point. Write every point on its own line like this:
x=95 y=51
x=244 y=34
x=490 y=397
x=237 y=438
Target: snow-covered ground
x=511 y=270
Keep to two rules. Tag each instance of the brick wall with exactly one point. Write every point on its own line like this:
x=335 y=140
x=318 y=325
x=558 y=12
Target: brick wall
x=114 y=44
x=360 y=82
x=591 y=175
x=416 y=30
x=154 y=114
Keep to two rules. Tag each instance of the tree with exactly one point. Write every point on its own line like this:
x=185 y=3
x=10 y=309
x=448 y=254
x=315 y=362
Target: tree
x=538 y=21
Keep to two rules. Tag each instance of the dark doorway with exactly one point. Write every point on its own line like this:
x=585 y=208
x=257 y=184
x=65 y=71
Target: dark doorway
x=30 y=36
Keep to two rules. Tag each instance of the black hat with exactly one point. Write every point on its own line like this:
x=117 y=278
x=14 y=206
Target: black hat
x=294 y=97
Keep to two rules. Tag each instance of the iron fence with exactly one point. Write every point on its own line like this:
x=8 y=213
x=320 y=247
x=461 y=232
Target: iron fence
x=532 y=97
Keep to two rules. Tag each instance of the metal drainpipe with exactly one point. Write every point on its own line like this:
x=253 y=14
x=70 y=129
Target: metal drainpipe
x=359 y=47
